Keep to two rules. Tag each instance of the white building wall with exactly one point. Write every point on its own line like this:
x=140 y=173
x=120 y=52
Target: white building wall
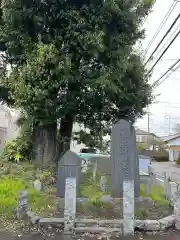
x=13 y=130
x=174 y=142
x=173 y=154
x=8 y=127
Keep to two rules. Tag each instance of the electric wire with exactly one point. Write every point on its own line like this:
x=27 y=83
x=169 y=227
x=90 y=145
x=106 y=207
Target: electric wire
x=161 y=25
x=166 y=43
x=168 y=31
x=170 y=71
x=165 y=50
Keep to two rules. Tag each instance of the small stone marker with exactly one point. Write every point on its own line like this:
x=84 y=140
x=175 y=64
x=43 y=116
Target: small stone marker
x=38 y=185
x=128 y=207
x=22 y=204
x=177 y=209
x=103 y=183
x=70 y=205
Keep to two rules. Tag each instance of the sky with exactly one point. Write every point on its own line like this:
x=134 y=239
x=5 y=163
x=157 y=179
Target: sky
x=166 y=114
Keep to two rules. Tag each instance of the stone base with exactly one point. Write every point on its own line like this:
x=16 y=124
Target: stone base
x=93 y=225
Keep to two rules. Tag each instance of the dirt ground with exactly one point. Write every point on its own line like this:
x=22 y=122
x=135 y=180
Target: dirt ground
x=55 y=235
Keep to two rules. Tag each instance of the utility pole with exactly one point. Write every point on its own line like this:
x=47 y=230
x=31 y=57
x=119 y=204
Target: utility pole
x=168 y=117
x=148 y=128
x=169 y=125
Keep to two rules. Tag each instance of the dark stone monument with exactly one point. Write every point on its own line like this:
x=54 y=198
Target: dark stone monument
x=124 y=157
x=69 y=166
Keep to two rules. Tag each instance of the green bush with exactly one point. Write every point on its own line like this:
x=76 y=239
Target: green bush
x=161 y=157
x=178 y=161
x=9 y=188
x=18 y=149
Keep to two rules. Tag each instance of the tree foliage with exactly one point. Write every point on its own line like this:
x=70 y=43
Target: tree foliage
x=75 y=59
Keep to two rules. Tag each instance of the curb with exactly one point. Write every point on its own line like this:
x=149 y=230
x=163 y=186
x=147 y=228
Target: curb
x=92 y=225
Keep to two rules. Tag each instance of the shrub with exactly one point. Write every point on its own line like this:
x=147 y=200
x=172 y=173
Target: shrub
x=18 y=149
x=161 y=157
x=178 y=161
x=9 y=188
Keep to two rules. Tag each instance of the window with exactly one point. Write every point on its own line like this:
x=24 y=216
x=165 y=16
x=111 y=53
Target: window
x=144 y=139
x=138 y=138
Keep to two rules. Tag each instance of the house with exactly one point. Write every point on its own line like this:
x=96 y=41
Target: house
x=8 y=127
x=147 y=139
x=173 y=145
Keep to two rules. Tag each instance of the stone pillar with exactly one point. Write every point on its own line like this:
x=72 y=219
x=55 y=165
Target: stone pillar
x=22 y=208
x=70 y=205
x=124 y=157
x=103 y=183
x=177 y=209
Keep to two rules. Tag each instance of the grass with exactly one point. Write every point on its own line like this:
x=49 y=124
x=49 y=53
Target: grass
x=96 y=208
x=156 y=194
x=15 y=177
x=90 y=190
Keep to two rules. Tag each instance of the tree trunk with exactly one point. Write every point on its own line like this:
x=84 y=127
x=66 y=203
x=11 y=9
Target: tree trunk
x=65 y=135
x=44 y=144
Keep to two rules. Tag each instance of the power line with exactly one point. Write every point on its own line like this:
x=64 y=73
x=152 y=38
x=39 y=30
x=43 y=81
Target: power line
x=169 y=69
x=169 y=59
x=165 y=50
x=172 y=71
x=167 y=103
x=168 y=40
x=168 y=31
x=161 y=25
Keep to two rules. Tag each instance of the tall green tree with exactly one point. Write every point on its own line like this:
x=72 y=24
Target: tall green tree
x=74 y=61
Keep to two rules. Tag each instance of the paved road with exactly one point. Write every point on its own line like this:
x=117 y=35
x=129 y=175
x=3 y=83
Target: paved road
x=170 y=168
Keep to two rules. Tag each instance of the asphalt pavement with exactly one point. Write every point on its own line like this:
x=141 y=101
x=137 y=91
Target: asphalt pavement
x=171 y=169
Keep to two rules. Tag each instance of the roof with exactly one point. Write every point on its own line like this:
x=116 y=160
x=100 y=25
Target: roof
x=171 y=137
x=142 y=132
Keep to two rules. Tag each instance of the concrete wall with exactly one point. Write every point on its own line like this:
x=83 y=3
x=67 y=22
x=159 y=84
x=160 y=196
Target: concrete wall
x=3 y=136
x=8 y=127
x=173 y=155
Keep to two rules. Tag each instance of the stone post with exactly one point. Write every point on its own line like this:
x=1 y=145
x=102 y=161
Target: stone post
x=177 y=209
x=103 y=183
x=22 y=208
x=70 y=205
